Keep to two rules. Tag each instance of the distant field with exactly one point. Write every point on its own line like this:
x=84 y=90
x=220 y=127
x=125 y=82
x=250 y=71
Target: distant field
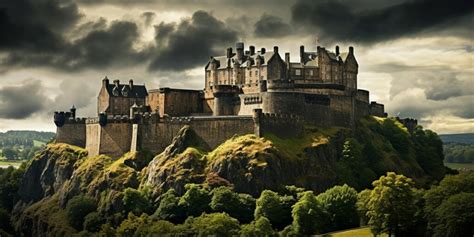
x=38 y=143
x=460 y=166
x=359 y=232
x=5 y=164
x=466 y=138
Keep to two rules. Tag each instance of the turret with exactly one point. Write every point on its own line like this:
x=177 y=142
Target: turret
x=275 y=49
x=73 y=112
x=229 y=53
x=240 y=50
x=252 y=50
x=351 y=50
x=263 y=50
x=302 y=54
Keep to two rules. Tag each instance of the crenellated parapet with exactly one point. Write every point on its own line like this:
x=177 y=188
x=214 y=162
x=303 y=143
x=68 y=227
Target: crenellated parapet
x=409 y=123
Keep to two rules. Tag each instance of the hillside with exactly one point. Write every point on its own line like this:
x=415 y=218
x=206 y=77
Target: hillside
x=317 y=160
x=24 y=138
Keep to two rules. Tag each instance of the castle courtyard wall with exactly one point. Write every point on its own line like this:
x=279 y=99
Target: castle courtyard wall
x=72 y=133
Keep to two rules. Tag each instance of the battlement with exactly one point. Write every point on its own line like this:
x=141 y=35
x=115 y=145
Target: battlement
x=409 y=123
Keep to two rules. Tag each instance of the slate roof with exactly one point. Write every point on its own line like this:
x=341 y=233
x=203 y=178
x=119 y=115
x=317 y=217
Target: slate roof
x=138 y=91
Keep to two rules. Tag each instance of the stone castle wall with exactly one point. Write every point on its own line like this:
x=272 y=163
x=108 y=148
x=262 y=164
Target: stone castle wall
x=73 y=133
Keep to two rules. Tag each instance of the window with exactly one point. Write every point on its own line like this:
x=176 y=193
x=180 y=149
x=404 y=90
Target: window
x=297 y=72
x=256 y=72
x=310 y=72
x=250 y=73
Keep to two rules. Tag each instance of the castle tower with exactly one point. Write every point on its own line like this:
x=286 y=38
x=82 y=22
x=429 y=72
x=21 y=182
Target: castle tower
x=224 y=99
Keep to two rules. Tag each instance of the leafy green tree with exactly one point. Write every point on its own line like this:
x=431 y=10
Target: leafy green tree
x=214 y=224
x=239 y=206
x=10 y=153
x=450 y=186
x=391 y=205
x=136 y=201
x=362 y=201
x=456 y=216
x=93 y=222
x=274 y=207
x=339 y=202
x=260 y=227
x=196 y=200
x=308 y=215
x=77 y=209
x=169 y=208
x=130 y=225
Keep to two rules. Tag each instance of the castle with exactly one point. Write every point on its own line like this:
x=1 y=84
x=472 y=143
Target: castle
x=246 y=91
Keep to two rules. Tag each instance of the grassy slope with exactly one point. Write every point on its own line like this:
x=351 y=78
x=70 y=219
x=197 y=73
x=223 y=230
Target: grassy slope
x=358 y=232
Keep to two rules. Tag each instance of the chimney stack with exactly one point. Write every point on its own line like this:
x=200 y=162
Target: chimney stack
x=229 y=52
x=239 y=46
x=252 y=50
x=351 y=50
x=116 y=82
x=275 y=49
x=337 y=50
x=302 y=54
x=73 y=112
x=262 y=50
x=287 y=58
x=130 y=83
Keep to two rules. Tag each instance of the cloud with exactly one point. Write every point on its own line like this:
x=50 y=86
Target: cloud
x=338 y=20
x=22 y=101
x=271 y=26
x=189 y=43
x=35 y=24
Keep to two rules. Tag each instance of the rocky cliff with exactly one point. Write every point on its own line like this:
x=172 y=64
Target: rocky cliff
x=318 y=159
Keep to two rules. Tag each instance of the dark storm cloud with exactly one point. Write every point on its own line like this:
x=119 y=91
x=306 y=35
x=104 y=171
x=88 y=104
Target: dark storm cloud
x=191 y=42
x=338 y=20
x=22 y=101
x=271 y=26
x=35 y=24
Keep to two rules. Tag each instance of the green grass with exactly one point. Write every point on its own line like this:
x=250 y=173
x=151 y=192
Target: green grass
x=5 y=163
x=359 y=232
x=460 y=166
x=38 y=143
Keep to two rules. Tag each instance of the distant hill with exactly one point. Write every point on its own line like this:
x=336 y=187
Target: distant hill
x=25 y=138
x=466 y=138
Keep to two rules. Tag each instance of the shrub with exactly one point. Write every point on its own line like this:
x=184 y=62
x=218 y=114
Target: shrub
x=135 y=201
x=339 y=202
x=308 y=216
x=77 y=209
x=93 y=222
x=169 y=208
x=274 y=207
x=260 y=227
x=196 y=200
x=239 y=206
x=214 y=224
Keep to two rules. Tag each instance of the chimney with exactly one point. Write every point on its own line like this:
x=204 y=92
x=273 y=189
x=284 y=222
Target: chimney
x=351 y=50
x=73 y=112
x=105 y=81
x=247 y=52
x=229 y=52
x=287 y=58
x=239 y=46
x=130 y=83
x=275 y=49
x=337 y=50
x=252 y=50
x=262 y=50
x=116 y=82
x=302 y=54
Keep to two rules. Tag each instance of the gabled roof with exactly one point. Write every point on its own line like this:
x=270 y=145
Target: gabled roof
x=223 y=61
x=137 y=91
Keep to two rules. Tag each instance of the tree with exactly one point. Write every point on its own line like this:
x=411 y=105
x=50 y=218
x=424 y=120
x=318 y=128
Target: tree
x=196 y=200
x=239 y=206
x=93 y=222
x=214 y=224
x=135 y=201
x=260 y=227
x=339 y=202
x=391 y=204
x=308 y=216
x=169 y=208
x=434 y=198
x=362 y=202
x=456 y=216
x=77 y=209
x=274 y=207
x=10 y=153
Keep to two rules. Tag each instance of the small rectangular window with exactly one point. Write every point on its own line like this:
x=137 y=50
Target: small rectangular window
x=250 y=73
x=310 y=72
x=297 y=72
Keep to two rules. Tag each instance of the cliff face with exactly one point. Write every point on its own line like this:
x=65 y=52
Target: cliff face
x=317 y=160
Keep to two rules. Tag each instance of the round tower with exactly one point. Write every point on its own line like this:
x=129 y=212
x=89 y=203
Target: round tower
x=224 y=99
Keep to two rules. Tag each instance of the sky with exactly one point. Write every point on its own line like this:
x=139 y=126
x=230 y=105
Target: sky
x=415 y=56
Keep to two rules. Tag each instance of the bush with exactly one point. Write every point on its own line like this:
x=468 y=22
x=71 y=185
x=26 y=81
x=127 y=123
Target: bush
x=136 y=201
x=77 y=209
x=239 y=206
x=215 y=224
x=169 y=208
x=196 y=200
x=308 y=216
x=93 y=222
x=260 y=227
x=274 y=207
x=339 y=203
